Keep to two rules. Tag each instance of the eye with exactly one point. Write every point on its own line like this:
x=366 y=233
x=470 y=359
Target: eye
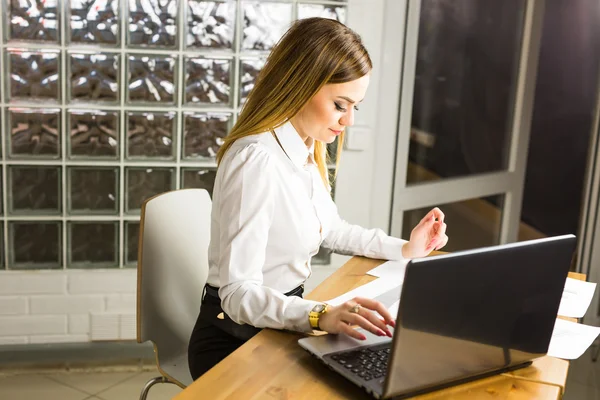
x=356 y=108
x=338 y=107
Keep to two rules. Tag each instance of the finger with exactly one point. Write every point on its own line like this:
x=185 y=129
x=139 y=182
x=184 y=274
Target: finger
x=440 y=242
x=356 y=319
x=348 y=330
x=432 y=243
x=375 y=320
x=375 y=306
x=430 y=246
x=367 y=320
x=444 y=242
x=430 y=216
x=439 y=215
x=437 y=237
x=441 y=232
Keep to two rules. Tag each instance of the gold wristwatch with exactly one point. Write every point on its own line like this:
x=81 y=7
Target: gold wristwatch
x=316 y=313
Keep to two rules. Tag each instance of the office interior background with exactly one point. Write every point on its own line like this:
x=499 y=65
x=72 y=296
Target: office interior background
x=486 y=109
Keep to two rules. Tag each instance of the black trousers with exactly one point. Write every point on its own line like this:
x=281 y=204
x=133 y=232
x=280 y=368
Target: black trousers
x=215 y=338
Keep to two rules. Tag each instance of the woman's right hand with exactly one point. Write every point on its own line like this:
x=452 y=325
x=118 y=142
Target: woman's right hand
x=358 y=311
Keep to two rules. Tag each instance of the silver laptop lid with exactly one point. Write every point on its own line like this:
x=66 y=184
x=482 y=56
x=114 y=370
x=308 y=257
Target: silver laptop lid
x=471 y=312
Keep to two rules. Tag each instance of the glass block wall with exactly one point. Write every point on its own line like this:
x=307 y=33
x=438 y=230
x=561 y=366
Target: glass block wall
x=105 y=103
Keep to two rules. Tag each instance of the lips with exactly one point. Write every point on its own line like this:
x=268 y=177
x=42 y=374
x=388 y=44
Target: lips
x=336 y=133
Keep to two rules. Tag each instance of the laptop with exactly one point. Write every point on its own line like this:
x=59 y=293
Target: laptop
x=461 y=316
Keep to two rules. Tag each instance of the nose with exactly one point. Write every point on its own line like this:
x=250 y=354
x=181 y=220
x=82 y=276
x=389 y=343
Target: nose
x=348 y=118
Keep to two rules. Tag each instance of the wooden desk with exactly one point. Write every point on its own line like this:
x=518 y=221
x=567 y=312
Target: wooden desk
x=273 y=366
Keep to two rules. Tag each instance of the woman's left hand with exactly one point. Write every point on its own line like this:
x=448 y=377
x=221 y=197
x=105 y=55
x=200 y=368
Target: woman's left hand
x=428 y=235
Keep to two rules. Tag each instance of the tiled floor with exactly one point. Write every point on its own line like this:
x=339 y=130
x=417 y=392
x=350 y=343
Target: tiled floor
x=583 y=384
x=83 y=385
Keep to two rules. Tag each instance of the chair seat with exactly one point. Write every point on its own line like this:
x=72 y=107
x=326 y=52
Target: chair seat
x=176 y=367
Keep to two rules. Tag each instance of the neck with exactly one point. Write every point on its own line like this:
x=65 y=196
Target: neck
x=308 y=141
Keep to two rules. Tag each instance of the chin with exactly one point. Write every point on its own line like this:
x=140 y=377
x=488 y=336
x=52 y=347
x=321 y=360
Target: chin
x=330 y=139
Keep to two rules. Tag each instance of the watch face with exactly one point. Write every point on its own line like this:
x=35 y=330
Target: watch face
x=318 y=308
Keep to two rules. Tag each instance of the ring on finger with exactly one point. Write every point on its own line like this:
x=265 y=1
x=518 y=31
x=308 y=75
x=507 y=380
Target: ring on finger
x=355 y=309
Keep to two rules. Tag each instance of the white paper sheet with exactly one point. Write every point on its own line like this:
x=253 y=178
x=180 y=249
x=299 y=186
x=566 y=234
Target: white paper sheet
x=570 y=340
x=576 y=298
x=370 y=291
x=390 y=270
x=393 y=309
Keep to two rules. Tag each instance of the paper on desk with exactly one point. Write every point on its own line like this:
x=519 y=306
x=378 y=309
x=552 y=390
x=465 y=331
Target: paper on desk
x=576 y=298
x=390 y=270
x=393 y=309
x=371 y=290
x=570 y=340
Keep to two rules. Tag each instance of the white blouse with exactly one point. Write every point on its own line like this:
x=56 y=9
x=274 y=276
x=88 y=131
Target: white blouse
x=271 y=213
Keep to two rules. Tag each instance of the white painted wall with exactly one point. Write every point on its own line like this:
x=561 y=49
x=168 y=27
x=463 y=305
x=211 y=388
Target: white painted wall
x=60 y=306
x=84 y=305
x=363 y=189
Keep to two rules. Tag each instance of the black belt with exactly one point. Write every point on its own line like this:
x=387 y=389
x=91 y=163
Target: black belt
x=212 y=312
x=214 y=291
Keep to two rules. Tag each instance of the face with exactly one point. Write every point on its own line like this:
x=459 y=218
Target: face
x=331 y=110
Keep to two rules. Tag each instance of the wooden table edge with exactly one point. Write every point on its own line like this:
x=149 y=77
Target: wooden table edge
x=351 y=275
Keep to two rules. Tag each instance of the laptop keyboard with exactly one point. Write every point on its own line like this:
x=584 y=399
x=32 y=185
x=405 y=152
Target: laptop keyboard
x=368 y=363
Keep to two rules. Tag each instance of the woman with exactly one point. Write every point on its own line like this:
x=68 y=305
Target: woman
x=272 y=207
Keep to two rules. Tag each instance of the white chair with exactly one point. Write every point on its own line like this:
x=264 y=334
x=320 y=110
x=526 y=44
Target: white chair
x=172 y=271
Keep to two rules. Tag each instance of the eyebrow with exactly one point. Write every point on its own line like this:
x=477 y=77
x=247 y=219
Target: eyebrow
x=348 y=99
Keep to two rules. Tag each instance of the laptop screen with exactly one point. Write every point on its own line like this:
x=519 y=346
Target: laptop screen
x=470 y=312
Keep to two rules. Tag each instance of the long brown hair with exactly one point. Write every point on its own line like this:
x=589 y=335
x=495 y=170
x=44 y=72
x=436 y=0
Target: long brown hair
x=312 y=53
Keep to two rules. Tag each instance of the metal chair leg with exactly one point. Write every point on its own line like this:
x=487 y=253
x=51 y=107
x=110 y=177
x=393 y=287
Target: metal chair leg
x=152 y=382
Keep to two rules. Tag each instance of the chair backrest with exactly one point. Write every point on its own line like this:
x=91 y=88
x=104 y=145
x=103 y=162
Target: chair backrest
x=172 y=271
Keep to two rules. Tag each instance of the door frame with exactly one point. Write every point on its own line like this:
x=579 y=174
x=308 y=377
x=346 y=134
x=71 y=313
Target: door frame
x=588 y=260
